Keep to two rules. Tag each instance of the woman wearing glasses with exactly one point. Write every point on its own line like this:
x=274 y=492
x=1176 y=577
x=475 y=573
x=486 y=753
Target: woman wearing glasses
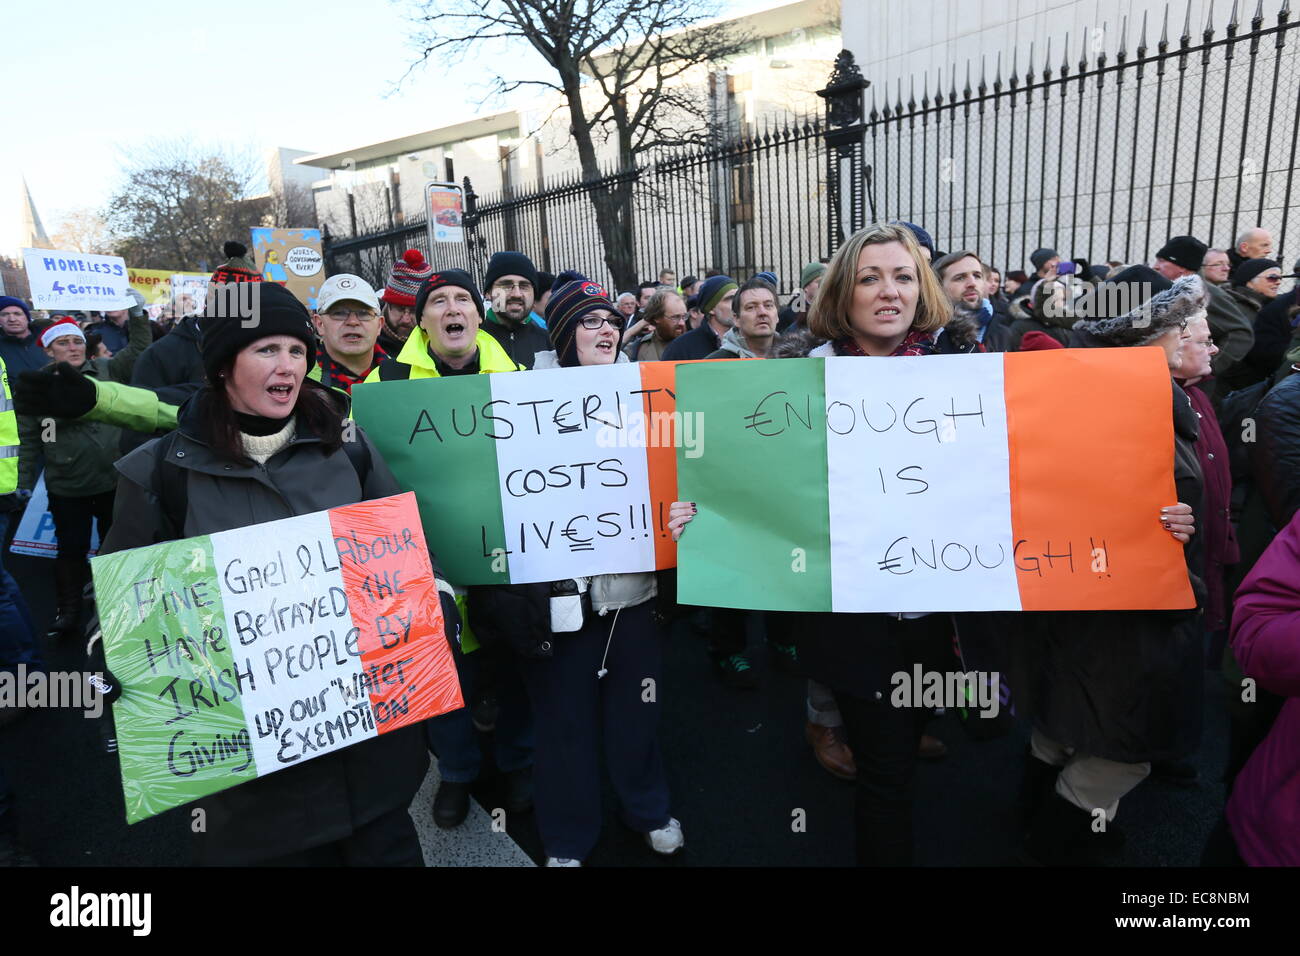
x=591 y=682
x=1254 y=284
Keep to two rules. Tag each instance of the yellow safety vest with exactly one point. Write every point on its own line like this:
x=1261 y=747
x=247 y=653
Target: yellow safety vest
x=8 y=438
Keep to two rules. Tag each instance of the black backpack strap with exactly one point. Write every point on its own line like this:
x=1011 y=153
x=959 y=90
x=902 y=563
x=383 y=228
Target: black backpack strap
x=391 y=370
x=171 y=482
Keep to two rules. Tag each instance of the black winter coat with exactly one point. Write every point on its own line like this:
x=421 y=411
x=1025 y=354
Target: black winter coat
x=695 y=344
x=1272 y=335
x=521 y=343
x=173 y=360
x=1275 y=453
x=324 y=799
x=1024 y=320
x=1123 y=685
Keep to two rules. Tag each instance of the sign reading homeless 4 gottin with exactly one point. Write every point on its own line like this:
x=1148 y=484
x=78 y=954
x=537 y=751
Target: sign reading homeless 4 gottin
x=75 y=280
x=247 y=651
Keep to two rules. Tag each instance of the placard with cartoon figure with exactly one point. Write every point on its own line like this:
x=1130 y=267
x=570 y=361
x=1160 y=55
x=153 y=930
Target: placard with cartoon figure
x=293 y=258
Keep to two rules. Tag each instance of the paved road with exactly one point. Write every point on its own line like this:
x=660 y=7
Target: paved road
x=737 y=763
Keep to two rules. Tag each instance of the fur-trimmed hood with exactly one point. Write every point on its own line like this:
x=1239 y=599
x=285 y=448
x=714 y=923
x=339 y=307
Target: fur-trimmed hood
x=1166 y=310
x=796 y=343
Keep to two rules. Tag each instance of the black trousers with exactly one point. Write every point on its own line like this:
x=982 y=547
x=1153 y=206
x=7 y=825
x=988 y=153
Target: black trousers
x=729 y=629
x=573 y=707
x=72 y=521
x=884 y=738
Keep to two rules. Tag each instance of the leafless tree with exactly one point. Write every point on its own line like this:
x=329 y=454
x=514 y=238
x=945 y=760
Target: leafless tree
x=292 y=206
x=83 y=230
x=178 y=203
x=621 y=69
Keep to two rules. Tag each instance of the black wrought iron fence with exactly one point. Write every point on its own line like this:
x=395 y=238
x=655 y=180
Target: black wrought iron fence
x=1098 y=159
x=751 y=204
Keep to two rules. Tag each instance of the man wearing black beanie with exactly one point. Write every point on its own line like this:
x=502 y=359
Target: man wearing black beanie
x=1230 y=328
x=511 y=284
x=450 y=336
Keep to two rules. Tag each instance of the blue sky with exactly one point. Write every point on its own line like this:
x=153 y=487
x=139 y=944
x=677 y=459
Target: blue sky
x=91 y=82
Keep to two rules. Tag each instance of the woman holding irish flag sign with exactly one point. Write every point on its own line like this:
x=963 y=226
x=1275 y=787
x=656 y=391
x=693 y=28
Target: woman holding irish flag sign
x=880 y=298
x=259 y=443
x=605 y=658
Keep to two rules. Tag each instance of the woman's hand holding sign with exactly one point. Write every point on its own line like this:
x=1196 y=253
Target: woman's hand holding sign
x=1179 y=521
x=679 y=515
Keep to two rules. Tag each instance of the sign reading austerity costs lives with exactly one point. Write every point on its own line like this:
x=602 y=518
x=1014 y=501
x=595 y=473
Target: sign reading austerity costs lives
x=1027 y=481
x=244 y=652
x=536 y=476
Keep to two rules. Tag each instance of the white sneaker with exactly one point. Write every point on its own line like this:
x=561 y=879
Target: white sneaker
x=561 y=861
x=668 y=839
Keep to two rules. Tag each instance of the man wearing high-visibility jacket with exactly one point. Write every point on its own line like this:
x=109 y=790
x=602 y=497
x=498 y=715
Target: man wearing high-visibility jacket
x=18 y=644
x=17 y=638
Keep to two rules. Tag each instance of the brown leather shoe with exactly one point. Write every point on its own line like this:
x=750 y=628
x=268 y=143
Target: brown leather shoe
x=831 y=750
x=932 y=748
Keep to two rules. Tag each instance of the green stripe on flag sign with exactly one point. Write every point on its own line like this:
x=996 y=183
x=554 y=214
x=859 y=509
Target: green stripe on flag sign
x=762 y=534
x=181 y=729
x=436 y=434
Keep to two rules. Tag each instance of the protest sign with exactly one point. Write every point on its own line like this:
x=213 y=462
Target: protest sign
x=154 y=284
x=68 y=281
x=1027 y=481
x=293 y=258
x=156 y=287
x=443 y=205
x=244 y=652
x=189 y=293
x=539 y=477
x=35 y=532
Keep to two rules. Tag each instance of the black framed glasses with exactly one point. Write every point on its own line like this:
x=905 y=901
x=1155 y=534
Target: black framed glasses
x=593 y=321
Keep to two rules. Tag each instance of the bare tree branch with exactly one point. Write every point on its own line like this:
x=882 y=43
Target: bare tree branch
x=620 y=66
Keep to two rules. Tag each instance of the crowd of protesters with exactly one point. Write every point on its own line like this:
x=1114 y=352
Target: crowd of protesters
x=154 y=431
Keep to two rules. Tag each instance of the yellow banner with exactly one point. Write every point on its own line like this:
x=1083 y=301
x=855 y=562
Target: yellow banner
x=154 y=284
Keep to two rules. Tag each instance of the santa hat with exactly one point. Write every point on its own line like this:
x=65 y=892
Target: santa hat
x=404 y=281
x=63 y=327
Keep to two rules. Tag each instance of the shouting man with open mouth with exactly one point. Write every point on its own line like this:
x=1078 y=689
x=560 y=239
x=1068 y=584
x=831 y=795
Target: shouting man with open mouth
x=449 y=339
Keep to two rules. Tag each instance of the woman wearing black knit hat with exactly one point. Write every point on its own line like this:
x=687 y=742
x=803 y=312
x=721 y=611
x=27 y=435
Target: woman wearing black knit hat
x=261 y=442
x=1252 y=286
x=592 y=683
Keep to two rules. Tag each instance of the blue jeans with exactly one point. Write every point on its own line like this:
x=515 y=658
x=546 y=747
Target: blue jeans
x=18 y=641
x=452 y=736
